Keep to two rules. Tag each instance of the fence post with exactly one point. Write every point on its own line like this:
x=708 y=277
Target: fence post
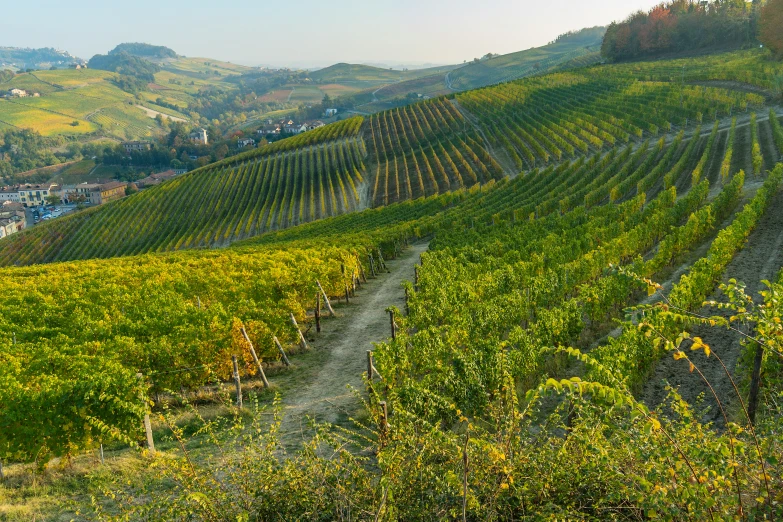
x=102 y=461
x=318 y=312
x=347 y=301
x=755 y=384
x=255 y=359
x=372 y=264
x=2 y=473
x=282 y=352
x=236 y=381
x=147 y=423
x=393 y=326
x=326 y=299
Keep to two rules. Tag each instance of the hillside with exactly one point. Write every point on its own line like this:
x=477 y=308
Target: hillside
x=518 y=266
x=81 y=102
x=583 y=45
x=571 y=50
x=539 y=125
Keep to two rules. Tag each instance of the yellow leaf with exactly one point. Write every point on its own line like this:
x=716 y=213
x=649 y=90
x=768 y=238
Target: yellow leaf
x=707 y=350
x=650 y=290
x=692 y=367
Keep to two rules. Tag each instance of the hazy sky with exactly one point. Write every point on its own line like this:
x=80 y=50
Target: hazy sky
x=306 y=32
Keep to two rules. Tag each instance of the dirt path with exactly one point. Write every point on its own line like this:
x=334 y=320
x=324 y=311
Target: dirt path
x=505 y=162
x=761 y=259
x=344 y=343
x=448 y=82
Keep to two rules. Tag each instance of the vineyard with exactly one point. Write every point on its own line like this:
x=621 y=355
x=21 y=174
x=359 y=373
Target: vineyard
x=576 y=224
x=424 y=149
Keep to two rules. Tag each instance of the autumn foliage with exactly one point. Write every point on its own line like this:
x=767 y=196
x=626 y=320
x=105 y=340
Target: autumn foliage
x=676 y=26
x=771 y=26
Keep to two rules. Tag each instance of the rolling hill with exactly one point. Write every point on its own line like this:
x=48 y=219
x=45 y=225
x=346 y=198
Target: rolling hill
x=539 y=126
x=583 y=45
x=344 y=72
x=571 y=50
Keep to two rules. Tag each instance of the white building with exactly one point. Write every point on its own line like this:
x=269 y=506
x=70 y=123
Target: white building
x=328 y=113
x=199 y=136
x=9 y=194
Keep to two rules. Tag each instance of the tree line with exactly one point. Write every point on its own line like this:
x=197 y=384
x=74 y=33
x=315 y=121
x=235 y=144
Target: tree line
x=683 y=25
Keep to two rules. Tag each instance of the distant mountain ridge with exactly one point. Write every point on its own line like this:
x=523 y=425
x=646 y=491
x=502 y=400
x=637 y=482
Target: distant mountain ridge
x=28 y=58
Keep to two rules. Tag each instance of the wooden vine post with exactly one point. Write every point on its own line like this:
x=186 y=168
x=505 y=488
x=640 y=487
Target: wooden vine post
x=361 y=269
x=147 y=423
x=372 y=264
x=318 y=312
x=236 y=381
x=384 y=427
x=302 y=341
x=393 y=326
x=369 y=365
x=282 y=352
x=326 y=299
x=755 y=384
x=255 y=359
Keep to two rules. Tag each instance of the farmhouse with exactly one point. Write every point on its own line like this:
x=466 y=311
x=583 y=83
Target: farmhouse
x=136 y=146
x=18 y=93
x=328 y=113
x=246 y=142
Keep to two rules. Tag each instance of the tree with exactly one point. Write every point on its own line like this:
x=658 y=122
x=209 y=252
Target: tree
x=771 y=34
x=52 y=199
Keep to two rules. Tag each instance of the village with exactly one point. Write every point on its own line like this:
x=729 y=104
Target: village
x=25 y=205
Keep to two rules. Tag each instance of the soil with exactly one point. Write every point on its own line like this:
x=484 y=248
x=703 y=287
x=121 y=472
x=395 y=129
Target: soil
x=760 y=260
x=334 y=376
